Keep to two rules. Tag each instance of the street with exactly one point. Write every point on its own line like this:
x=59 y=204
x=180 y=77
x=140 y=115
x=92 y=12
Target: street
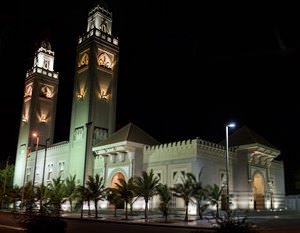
x=275 y=222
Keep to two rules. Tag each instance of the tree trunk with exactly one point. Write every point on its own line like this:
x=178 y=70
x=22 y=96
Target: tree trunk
x=186 y=212
x=71 y=205
x=126 y=211
x=146 y=209
x=96 y=208
x=89 y=208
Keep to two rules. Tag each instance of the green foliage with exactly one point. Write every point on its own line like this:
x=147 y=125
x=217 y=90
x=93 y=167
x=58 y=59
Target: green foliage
x=6 y=184
x=165 y=196
x=200 y=193
x=146 y=187
x=96 y=190
x=70 y=189
x=56 y=195
x=123 y=191
x=214 y=196
x=184 y=191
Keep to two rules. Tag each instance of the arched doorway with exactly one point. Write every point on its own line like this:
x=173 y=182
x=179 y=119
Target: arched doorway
x=259 y=191
x=115 y=179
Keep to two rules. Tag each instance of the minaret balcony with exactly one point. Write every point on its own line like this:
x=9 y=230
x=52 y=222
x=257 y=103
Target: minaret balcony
x=98 y=33
x=39 y=70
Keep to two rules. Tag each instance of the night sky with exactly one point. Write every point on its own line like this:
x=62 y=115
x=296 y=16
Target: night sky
x=186 y=69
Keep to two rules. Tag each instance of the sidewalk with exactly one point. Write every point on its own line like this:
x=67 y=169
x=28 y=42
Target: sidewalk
x=178 y=219
x=153 y=219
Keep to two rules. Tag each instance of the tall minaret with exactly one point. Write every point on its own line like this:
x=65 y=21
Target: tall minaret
x=39 y=107
x=95 y=90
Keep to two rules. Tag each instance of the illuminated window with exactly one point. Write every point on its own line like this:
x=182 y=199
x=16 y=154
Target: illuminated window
x=28 y=174
x=61 y=170
x=46 y=64
x=50 y=171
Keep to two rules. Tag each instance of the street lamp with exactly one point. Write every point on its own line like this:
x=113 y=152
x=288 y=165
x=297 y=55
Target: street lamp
x=45 y=155
x=230 y=125
x=36 y=153
x=25 y=170
x=85 y=159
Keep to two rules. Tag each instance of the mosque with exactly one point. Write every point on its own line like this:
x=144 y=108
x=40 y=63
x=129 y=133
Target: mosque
x=256 y=178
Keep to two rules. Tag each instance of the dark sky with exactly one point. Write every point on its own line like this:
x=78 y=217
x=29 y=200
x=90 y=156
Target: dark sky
x=186 y=68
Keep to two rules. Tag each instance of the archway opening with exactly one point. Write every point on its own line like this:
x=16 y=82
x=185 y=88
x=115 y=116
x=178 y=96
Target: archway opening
x=115 y=179
x=259 y=192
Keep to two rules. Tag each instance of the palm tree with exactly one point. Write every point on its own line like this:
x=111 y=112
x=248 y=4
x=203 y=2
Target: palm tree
x=146 y=187
x=41 y=195
x=15 y=195
x=184 y=190
x=125 y=192
x=56 y=195
x=6 y=184
x=28 y=198
x=97 y=190
x=214 y=196
x=84 y=195
x=132 y=187
x=165 y=196
x=200 y=193
x=70 y=189
x=114 y=199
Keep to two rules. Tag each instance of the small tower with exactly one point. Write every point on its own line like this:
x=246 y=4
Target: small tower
x=39 y=107
x=95 y=89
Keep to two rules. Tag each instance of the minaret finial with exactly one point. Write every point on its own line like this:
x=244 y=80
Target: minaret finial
x=101 y=3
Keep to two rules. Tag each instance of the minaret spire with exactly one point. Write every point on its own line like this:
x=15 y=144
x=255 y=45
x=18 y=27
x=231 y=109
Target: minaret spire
x=95 y=90
x=39 y=107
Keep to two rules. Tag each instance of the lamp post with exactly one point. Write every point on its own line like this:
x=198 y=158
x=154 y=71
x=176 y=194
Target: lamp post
x=36 y=153
x=45 y=155
x=25 y=170
x=85 y=159
x=230 y=125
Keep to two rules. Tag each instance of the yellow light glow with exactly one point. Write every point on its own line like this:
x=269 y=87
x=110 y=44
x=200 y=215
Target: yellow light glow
x=81 y=93
x=43 y=119
x=25 y=119
x=43 y=116
x=103 y=95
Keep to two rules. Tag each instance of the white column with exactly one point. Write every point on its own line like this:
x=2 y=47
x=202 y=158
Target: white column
x=131 y=156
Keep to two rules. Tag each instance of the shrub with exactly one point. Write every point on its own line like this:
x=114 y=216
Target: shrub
x=232 y=224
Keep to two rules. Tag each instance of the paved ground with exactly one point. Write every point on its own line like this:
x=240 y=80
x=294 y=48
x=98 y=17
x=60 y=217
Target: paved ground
x=263 y=220
x=266 y=221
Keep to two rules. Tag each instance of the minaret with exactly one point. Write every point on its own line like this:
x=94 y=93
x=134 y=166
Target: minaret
x=95 y=90
x=39 y=107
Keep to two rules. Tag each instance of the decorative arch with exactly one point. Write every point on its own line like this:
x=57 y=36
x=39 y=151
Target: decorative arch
x=258 y=186
x=112 y=184
x=115 y=178
x=112 y=173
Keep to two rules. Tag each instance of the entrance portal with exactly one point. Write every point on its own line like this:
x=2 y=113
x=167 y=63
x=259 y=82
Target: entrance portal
x=115 y=179
x=259 y=192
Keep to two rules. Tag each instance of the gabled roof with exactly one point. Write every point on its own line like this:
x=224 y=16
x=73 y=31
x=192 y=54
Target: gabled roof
x=132 y=133
x=246 y=136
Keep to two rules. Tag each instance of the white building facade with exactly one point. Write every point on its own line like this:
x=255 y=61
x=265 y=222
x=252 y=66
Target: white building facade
x=256 y=178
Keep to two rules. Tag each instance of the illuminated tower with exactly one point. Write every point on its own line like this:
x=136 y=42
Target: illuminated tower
x=95 y=88
x=39 y=107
